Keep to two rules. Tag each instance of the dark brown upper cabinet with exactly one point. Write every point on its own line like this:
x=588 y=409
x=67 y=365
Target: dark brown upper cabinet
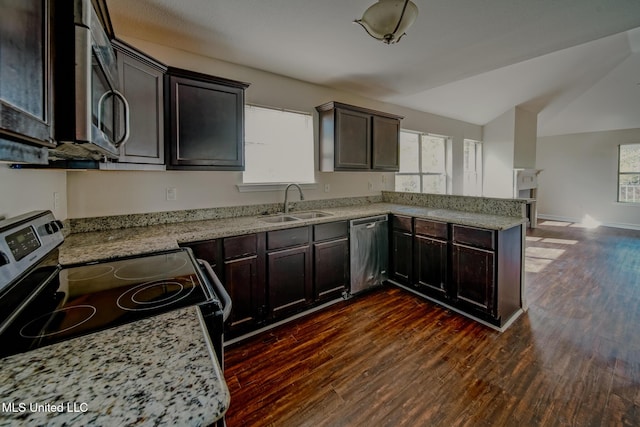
x=355 y=138
x=205 y=121
x=141 y=80
x=25 y=76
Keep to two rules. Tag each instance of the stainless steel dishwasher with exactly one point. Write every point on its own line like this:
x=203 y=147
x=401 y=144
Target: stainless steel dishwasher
x=369 y=252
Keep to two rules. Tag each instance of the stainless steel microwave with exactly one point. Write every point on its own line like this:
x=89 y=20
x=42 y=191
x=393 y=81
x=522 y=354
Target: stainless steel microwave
x=92 y=116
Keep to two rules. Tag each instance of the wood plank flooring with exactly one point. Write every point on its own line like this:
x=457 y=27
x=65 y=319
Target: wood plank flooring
x=390 y=358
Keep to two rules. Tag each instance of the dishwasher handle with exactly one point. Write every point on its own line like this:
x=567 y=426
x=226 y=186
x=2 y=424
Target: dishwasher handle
x=367 y=221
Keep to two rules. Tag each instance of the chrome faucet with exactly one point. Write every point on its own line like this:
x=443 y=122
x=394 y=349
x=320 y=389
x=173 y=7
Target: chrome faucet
x=286 y=192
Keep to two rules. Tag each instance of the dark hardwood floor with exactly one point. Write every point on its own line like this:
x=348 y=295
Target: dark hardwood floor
x=390 y=358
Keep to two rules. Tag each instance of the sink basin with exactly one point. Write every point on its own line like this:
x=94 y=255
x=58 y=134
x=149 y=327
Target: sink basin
x=278 y=218
x=310 y=215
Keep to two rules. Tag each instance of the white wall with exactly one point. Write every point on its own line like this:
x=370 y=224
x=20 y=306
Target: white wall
x=579 y=178
x=525 y=139
x=26 y=190
x=498 y=152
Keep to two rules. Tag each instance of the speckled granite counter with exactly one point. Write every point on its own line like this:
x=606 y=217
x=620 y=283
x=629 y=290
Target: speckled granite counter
x=91 y=246
x=157 y=371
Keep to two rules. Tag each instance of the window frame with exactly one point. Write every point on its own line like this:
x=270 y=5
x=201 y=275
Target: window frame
x=421 y=173
x=478 y=170
x=619 y=175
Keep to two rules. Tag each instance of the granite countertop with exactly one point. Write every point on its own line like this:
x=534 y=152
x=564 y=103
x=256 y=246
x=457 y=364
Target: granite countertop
x=93 y=246
x=157 y=371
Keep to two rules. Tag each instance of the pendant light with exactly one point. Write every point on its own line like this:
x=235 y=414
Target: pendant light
x=387 y=20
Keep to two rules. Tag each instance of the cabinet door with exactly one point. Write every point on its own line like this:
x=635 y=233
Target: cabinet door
x=353 y=140
x=24 y=71
x=210 y=251
x=142 y=85
x=386 y=145
x=401 y=256
x=431 y=266
x=242 y=283
x=331 y=268
x=474 y=278
x=206 y=122
x=289 y=280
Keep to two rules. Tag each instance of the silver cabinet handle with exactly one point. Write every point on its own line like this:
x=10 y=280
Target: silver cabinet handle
x=127 y=120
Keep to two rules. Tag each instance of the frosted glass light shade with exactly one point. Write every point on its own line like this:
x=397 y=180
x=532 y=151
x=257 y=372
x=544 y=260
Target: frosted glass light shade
x=387 y=20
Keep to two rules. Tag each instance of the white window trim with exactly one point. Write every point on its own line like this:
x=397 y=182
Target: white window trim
x=618 y=173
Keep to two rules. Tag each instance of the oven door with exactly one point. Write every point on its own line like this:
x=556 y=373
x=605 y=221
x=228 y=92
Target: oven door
x=215 y=314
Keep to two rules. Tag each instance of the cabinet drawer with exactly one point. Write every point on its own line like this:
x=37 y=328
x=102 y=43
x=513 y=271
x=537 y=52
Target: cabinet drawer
x=331 y=230
x=477 y=237
x=287 y=238
x=430 y=228
x=403 y=223
x=235 y=247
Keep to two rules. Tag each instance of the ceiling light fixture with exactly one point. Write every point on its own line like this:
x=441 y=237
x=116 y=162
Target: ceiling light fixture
x=387 y=20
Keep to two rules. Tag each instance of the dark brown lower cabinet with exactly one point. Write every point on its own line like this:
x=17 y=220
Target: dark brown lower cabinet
x=289 y=281
x=331 y=268
x=247 y=294
x=431 y=266
x=401 y=256
x=474 y=278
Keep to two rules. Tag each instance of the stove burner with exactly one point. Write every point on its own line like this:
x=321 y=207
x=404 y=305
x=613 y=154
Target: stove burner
x=144 y=269
x=89 y=272
x=68 y=318
x=153 y=295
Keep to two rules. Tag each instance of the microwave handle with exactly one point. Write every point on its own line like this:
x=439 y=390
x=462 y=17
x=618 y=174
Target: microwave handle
x=127 y=120
x=127 y=127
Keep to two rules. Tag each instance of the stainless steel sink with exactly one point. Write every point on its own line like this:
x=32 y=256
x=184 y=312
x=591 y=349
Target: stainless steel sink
x=310 y=214
x=294 y=216
x=278 y=218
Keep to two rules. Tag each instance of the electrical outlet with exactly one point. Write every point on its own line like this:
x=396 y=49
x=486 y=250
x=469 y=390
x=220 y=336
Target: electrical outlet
x=56 y=200
x=327 y=188
x=370 y=186
x=172 y=193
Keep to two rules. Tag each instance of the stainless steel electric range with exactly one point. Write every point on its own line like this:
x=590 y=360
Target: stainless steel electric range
x=42 y=303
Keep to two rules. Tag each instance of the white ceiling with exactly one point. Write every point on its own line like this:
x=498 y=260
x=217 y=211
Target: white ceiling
x=576 y=62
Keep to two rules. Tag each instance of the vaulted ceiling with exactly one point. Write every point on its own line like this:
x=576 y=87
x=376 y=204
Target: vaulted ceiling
x=575 y=62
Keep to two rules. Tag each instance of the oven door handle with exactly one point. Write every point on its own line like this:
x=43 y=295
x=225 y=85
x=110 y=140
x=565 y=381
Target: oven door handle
x=225 y=299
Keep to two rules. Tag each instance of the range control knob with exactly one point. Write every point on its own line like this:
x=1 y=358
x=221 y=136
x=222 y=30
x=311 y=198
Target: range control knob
x=52 y=227
x=4 y=259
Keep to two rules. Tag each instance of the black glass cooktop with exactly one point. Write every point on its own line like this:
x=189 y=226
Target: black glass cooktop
x=89 y=298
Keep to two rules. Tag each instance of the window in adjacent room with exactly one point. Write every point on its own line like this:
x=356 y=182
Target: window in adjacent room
x=629 y=173
x=472 y=168
x=278 y=146
x=422 y=163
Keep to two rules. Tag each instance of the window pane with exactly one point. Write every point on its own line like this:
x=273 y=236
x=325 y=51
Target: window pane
x=409 y=152
x=278 y=146
x=433 y=154
x=629 y=188
x=408 y=183
x=434 y=184
x=630 y=158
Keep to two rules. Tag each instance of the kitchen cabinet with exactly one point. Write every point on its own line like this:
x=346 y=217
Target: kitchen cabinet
x=401 y=249
x=245 y=282
x=474 y=270
x=25 y=92
x=430 y=258
x=355 y=138
x=330 y=260
x=205 y=121
x=289 y=274
x=142 y=83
